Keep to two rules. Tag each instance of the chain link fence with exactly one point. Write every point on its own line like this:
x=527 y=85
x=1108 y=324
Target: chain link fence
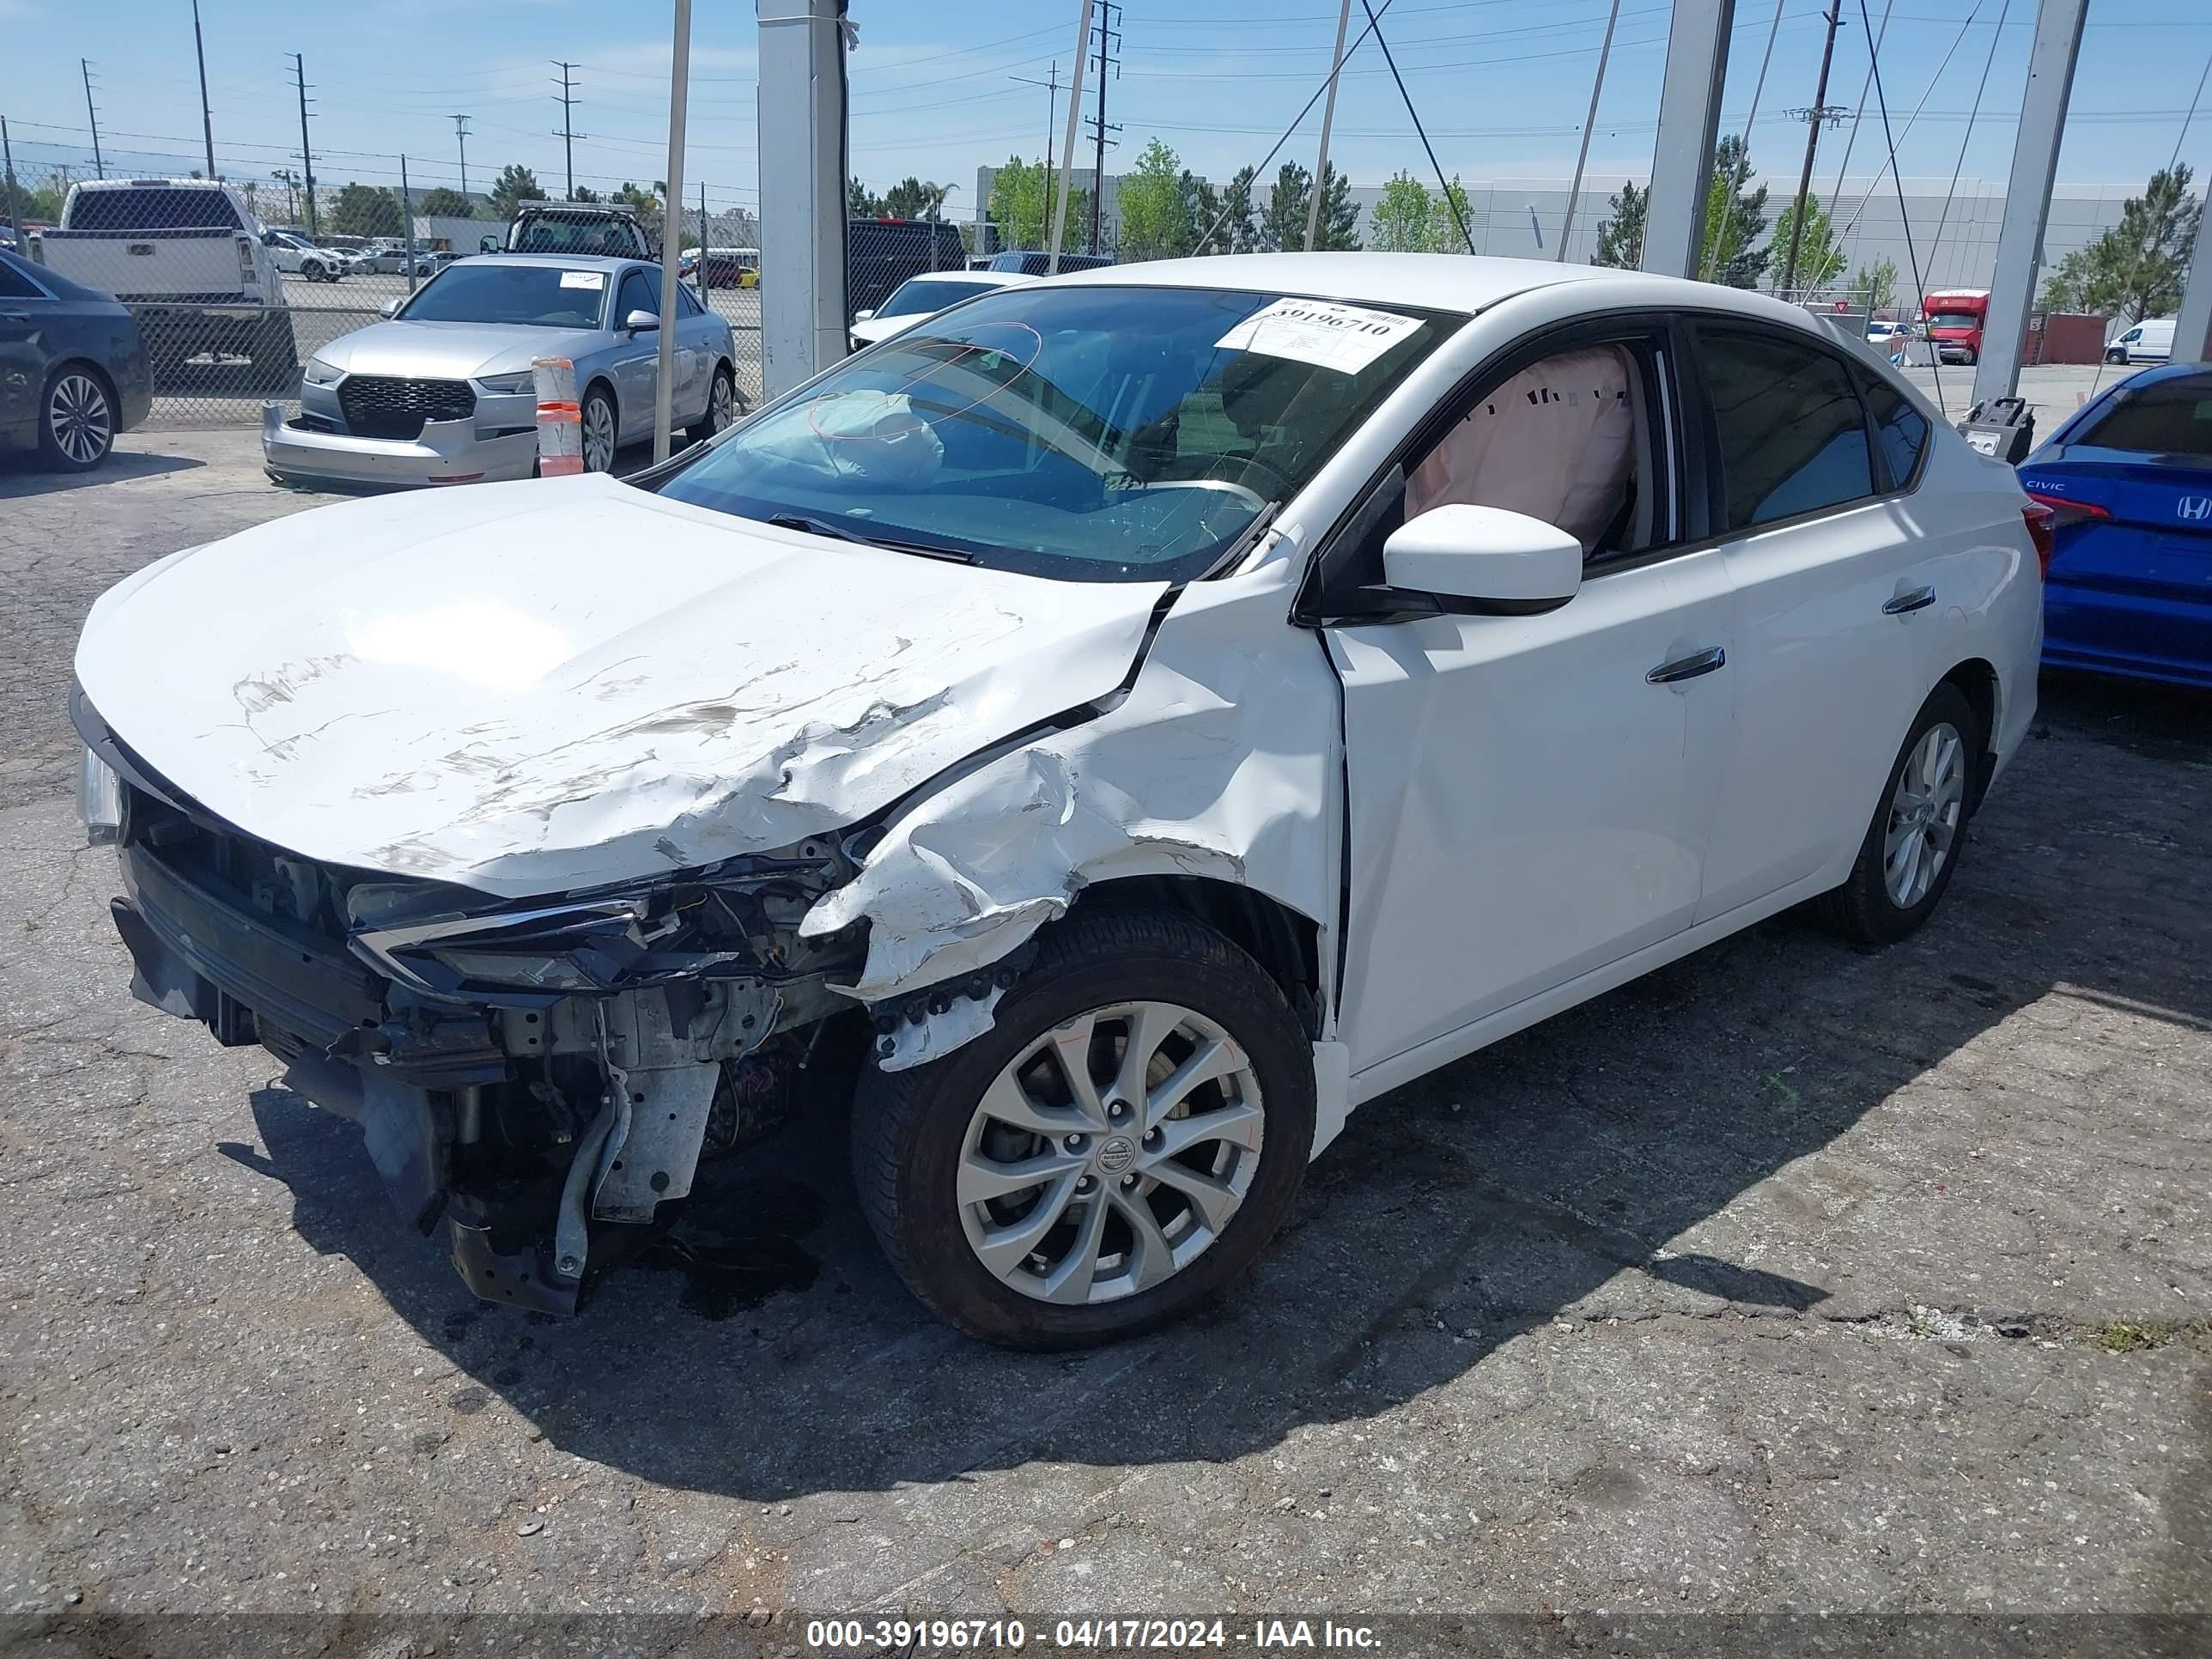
x=233 y=303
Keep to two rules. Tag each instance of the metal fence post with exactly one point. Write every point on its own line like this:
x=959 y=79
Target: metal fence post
x=407 y=222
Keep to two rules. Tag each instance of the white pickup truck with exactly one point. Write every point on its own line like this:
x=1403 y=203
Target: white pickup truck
x=186 y=256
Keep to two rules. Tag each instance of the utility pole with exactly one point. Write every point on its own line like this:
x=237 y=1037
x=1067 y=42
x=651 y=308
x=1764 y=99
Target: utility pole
x=1057 y=205
x=407 y=221
x=99 y=165
x=8 y=163
x=1107 y=37
x=1589 y=124
x=461 y=131
x=567 y=100
x=207 y=121
x=1329 y=119
x=671 y=238
x=1051 y=85
x=1814 y=118
x=307 y=154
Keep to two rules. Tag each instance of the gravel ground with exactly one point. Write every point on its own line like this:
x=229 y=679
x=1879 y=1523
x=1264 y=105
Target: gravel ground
x=1786 y=1279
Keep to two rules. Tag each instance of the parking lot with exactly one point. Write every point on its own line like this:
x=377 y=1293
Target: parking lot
x=1788 y=1278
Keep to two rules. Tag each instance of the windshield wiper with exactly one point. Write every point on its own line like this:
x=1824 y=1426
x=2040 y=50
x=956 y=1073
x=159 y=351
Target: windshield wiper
x=829 y=527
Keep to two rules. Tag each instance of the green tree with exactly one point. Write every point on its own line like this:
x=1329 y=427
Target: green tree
x=1020 y=204
x=1447 y=215
x=860 y=202
x=443 y=203
x=2134 y=270
x=1877 y=281
x=42 y=202
x=1399 y=223
x=646 y=203
x=364 y=210
x=1155 y=217
x=1620 y=236
x=516 y=185
x=1201 y=206
x=915 y=198
x=1283 y=221
x=1820 y=261
x=586 y=193
x=1735 y=219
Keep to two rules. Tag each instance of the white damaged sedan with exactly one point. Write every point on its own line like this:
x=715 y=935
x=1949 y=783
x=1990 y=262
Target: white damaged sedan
x=1129 y=721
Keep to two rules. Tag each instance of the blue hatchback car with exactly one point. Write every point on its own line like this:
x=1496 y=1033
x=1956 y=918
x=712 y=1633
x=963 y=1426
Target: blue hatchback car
x=2129 y=479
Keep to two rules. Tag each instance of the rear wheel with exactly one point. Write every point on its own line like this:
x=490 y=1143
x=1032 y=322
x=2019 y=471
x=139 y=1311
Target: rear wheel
x=1117 y=1149
x=76 y=419
x=721 y=407
x=1910 y=849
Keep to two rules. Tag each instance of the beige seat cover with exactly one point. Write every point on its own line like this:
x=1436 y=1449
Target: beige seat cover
x=1556 y=441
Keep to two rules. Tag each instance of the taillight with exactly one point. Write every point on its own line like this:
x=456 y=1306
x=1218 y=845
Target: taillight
x=244 y=259
x=2042 y=526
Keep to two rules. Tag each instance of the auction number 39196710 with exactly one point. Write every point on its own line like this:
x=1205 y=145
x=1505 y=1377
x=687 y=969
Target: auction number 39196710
x=1000 y=1635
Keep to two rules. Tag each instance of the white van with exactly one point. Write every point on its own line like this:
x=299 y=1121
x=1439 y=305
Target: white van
x=2150 y=341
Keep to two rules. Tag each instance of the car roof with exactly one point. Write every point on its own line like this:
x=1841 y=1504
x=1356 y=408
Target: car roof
x=979 y=278
x=607 y=262
x=1438 y=282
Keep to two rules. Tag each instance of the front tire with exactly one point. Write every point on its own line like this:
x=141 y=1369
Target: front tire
x=76 y=419
x=600 y=430
x=1037 y=1188
x=1911 y=849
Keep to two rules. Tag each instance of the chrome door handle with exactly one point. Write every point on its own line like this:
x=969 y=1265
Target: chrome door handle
x=1688 y=668
x=1918 y=599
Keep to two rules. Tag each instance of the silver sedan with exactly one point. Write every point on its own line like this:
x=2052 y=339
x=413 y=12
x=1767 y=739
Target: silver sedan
x=443 y=392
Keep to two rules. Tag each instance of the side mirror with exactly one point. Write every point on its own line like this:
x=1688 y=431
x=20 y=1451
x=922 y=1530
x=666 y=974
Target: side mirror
x=1483 y=560
x=641 y=322
x=391 y=307
x=862 y=316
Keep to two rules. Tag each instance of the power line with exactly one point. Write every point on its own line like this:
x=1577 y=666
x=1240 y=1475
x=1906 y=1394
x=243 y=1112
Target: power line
x=1451 y=200
x=1904 y=218
x=1814 y=118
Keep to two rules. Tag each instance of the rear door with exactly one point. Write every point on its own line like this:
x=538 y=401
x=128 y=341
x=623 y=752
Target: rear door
x=2131 y=582
x=24 y=311
x=1833 y=575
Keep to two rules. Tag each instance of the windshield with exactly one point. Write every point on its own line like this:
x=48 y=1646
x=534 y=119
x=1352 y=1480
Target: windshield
x=1954 y=319
x=1093 y=433
x=929 y=295
x=542 y=296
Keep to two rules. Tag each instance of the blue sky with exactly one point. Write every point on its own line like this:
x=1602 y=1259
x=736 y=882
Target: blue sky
x=1502 y=84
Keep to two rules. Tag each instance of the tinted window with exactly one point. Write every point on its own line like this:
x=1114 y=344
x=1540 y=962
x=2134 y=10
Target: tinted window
x=637 y=295
x=546 y=296
x=687 y=302
x=2169 y=417
x=154 y=208
x=14 y=285
x=1899 y=428
x=1792 y=436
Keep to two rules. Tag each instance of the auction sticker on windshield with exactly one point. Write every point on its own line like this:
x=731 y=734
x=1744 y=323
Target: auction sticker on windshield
x=1345 y=338
x=583 y=279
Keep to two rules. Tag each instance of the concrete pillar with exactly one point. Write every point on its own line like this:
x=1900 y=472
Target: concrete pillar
x=801 y=146
x=2192 y=326
x=2027 y=196
x=1689 y=123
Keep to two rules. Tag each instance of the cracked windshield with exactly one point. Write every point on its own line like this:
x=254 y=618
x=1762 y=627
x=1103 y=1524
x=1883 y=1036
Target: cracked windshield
x=1095 y=434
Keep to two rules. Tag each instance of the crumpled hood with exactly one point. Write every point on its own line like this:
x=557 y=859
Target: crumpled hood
x=532 y=687
x=452 y=351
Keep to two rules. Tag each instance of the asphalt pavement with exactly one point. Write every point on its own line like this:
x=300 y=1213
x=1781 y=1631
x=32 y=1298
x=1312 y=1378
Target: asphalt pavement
x=1788 y=1278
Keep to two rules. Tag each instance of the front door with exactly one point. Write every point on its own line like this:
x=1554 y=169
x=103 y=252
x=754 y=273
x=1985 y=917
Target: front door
x=637 y=371
x=24 y=309
x=1530 y=797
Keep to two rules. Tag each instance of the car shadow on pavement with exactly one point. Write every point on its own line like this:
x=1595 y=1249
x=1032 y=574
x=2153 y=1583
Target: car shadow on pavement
x=1650 y=1153
x=23 y=475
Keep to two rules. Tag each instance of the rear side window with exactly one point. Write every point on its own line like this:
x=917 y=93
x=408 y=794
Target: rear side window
x=154 y=208
x=16 y=286
x=1901 y=431
x=1792 y=436
x=2172 y=418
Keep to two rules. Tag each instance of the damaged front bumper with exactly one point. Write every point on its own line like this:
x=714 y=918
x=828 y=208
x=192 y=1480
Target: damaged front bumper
x=537 y=1074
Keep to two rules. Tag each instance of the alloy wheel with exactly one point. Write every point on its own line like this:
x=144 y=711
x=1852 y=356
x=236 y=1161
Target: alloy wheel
x=719 y=403
x=599 y=436
x=78 y=415
x=1110 y=1153
x=1925 y=813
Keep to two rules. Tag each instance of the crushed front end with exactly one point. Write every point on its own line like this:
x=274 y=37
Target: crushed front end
x=539 y=1072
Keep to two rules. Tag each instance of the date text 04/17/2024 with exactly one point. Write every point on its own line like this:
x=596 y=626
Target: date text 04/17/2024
x=860 y=1636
